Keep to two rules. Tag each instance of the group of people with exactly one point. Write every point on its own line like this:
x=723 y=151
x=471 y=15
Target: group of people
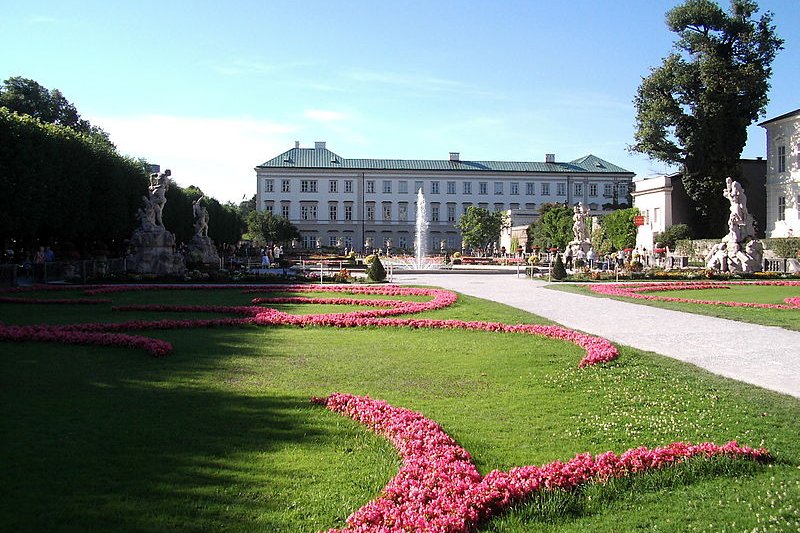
x=270 y=255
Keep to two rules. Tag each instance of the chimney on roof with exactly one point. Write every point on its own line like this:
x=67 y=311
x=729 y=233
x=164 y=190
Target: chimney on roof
x=549 y=158
x=454 y=156
x=297 y=144
x=319 y=145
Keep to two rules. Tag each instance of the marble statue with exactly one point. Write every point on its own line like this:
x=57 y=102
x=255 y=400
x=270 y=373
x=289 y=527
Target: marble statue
x=159 y=183
x=153 y=247
x=201 y=249
x=579 y=230
x=739 y=251
x=200 y=217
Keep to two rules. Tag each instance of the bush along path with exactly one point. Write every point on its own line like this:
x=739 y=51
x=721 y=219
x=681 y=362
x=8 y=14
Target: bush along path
x=438 y=489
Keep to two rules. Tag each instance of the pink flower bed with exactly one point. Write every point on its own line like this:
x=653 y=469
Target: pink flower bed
x=439 y=490
x=598 y=350
x=634 y=291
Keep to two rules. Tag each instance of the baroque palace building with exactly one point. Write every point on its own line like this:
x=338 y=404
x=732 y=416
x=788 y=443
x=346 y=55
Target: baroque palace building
x=363 y=203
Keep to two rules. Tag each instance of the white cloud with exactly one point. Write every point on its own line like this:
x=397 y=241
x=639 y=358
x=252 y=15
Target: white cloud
x=216 y=154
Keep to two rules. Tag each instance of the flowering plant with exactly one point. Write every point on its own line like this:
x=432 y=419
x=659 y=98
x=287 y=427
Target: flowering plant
x=439 y=490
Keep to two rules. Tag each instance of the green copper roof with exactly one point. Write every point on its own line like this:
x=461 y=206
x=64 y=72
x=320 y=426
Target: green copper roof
x=324 y=158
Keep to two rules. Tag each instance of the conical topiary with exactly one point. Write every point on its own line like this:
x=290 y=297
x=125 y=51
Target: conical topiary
x=557 y=271
x=375 y=271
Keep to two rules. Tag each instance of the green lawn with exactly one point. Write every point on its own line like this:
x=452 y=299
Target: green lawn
x=220 y=435
x=784 y=318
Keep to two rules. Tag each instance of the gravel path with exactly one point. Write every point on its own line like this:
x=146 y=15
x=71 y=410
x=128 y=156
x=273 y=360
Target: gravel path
x=762 y=355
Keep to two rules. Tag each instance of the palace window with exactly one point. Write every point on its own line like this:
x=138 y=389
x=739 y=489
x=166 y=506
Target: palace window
x=451 y=213
x=387 y=211
x=308 y=186
x=530 y=188
x=333 y=185
x=403 y=187
x=561 y=189
x=402 y=212
x=498 y=187
x=579 y=189
x=308 y=211
x=348 y=185
x=467 y=187
x=782 y=158
x=348 y=212
x=435 y=213
x=387 y=187
x=593 y=189
x=451 y=187
x=269 y=185
x=285 y=211
x=781 y=208
x=545 y=189
x=285 y=187
x=514 y=188
x=434 y=187
x=370 y=186
x=483 y=187
x=332 y=211
x=370 y=211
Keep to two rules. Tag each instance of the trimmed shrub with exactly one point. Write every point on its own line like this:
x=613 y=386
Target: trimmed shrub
x=670 y=236
x=375 y=271
x=558 y=271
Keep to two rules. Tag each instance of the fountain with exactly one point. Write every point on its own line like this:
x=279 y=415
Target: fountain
x=421 y=233
x=419 y=261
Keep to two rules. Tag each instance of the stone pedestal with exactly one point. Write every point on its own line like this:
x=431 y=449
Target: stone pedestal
x=153 y=253
x=201 y=250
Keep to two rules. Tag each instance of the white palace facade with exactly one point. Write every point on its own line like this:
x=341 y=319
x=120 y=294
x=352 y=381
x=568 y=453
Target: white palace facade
x=363 y=203
x=783 y=175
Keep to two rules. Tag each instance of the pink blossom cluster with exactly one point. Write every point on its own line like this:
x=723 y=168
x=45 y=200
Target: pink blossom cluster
x=60 y=301
x=439 y=490
x=67 y=335
x=598 y=350
x=635 y=290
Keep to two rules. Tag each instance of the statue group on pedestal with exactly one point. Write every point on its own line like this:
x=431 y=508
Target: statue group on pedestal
x=739 y=250
x=154 y=246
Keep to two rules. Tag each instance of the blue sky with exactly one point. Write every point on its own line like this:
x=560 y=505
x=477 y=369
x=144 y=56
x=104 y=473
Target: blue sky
x=212 y=89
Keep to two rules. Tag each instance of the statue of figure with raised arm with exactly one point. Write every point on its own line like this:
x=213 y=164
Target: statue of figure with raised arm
x=579 y=223
x=200 y=217
x=159 y=183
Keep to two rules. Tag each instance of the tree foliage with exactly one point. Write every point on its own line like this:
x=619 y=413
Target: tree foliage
x=267 y=228
x=619 y=228
x=62 y=185
x=670 y=236
x=695 y=108
x=376 y=270
x=553 y=228
x=480 y=227
x=225 y=225
x=28 y=97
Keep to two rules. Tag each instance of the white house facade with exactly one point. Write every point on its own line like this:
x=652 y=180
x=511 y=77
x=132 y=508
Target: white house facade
x=783 y=175
x=363 y=203
x=653 y=198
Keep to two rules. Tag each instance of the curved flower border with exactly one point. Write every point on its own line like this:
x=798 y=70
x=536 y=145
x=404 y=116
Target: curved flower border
x=636 y=290
x=598 y=350
x=439 y=490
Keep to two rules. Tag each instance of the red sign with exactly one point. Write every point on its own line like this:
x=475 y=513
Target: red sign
x=638 y=220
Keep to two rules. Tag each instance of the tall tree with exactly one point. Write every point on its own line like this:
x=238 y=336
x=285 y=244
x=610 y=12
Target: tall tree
x=480 y=227
x=695 y=108
x=553 y=228
x=28 y=97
